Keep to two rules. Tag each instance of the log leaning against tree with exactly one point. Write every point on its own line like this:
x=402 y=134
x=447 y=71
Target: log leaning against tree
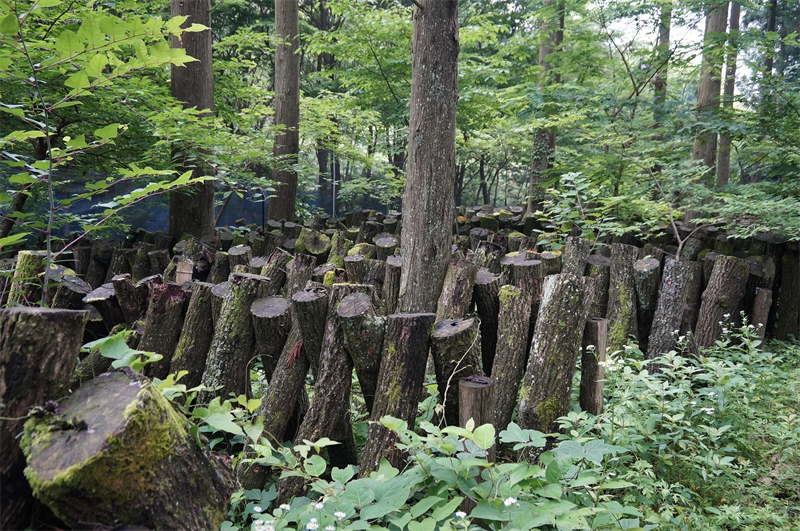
x=669 y=309
x=722 y=296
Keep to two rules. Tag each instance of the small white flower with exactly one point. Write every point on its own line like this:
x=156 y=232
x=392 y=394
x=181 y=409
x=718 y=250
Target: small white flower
x=259 y=522
x=461 y=514
x=257 y=509
x=508 y=502
x=259 y=527
x=284 y=506
x=330 y=528
x=725 y=330
x=707 y=410
x=693 y=403
x=269 y=528
x=339 y=514
x=681 y=339
x=711 y=393
x=727 y=316
x=312 y=524
x=319 y=505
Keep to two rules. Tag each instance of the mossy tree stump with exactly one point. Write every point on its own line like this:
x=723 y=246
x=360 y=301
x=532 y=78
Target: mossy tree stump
x=38 y=352
x=195 y=336
x=116 y=452
x=621 y=296
x=547 y=386
x=314 y=243
x=26 y=284
x=310 y=308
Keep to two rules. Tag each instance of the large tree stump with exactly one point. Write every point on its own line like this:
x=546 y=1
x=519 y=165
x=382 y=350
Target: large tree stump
x=647 y=278
x=26 y=284
x=314 y=243
x=670 y=307
x=455 y=345
x=722 y=296
x=162 y=327
x=509 y=362
x=487 y=304
x=405 y=353
x=598 y=267
x=38 y=352
x=115 y=453
x=621 y=296
x=456 y=295
x=363 y=339
x=547 y=386
x=391 y=283
x=311 y=310
x=232 y=346
x=272 y=322
x=593 y=358
x=195 y=336
x=576 y=253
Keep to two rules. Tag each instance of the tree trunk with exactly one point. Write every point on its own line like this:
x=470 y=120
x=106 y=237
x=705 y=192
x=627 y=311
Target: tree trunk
x=428 y=199
x=127 y=298
x=669 y=310
x=760 y=311
x=38 y=352
x=722 y=296
x=547 y=386
x=405 y=353
x=724 y=156
x=196 y=335
x=705 y=143
x=272 y=322
x=694 y=292
x=162 y=328
x=455 y=346
x=112 y=454
x=193 y=84
x=311 y=311
x=391 y=283
x=576 y=253
x=287 y=109
x=220 y=269
x=487 y=304
x=621 y=296
x=456 y=295
x=598 y=267
x=275 y=270
x=509 y=362
x=647 y=278
x=100 y=259
x=593 y=359
x=476 y=399
x=239 y=255
x=660 y=79
x=298 y=272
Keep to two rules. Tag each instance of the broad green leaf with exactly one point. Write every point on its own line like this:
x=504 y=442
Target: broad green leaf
x=196 y=27
x=78 y=81
x=486 y=510
x=14 y=238
x=391 y=502
x=224 y=422
x=9 y=24
x=69 y=43
x=448 y=509
x=22 y=178
x=63 y=104
x=253 y=431
x=78 y=142
x=96 y=65
x=342 y=475
x=91 y=34
x=553 y=472
x=16 y=111
x=422 y=506
x=108 y=132
x=358 y=493
x=49 y=3
x=484 y=436
x=314 y=465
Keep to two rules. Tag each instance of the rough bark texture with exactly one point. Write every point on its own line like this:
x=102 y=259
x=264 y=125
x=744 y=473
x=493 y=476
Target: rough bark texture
x=428 y=198
x=220 y=269
x=162 y=326
x=547 y=386
x=722 y=296
x=694 y=291
x=26 y=284
x=121 y=262
x=127 y=297
x=101 y=257
x=196 y=335
x=272 y=322
x=455 y=346
x=141 y=264
x=621 y=296
x=576 y=253
x=159 y=260
x=456 y=295
x=487 y=304
x=116 y=452
x=647 y=278
x=592 y=372
x=391 y=283
x=363 y=339
x=275 y=270
x=669 y=310
x=298 y=272
x=405 y=353
x=38 y=352
x=788 y=296
x=724 y=156
x=509 y=362
x=385 y=247
x=760 y=311
x=70 y=294
x=476 y=399
x=105 y=301
x=310 y=308
x=239 y=255
x=356 y=268
x=287 y=109
x=193 y=84
x=232 y=345
x=314 y=243
x=598 y=267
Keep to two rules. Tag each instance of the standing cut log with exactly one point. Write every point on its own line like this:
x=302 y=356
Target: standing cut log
x=220 y=269
x=162 y=327
x=26 y=284
x=694 y=291
x=113 y=453
x=314 y=243
x=363 y=333
x=217 y=297
x=455 y=345
x=127 y=297
x=311 y=310
x=621 y=296
x=576 y=253
x=487 y=304
x=70 y=294
x=275 y=270
x=391 y=283
x=405 y=353
x=760 y=311
x=142 y=267
x=101 y=258
x=385 y=247
x=509 y=362
x=669 y=310
x=232 y=346
x=272 y=322
x=593 y=358
x=598 y=267
x=476 y=401
x=239 y=255
x=159 y=260
x=722 y=296
x=196 y=335
x=647 y=278
x=298 y=272
x=38 y=352
x=788 y=295
x=456 y=295
x=121 y=262
x=356 y=268
x=104 y=299
x=547 y=386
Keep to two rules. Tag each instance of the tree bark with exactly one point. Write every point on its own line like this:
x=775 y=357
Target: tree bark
x=647 y=278
x=476 y=399
x=405 y=353
x=455 y=346
x=70 y=294
x=121 y=262
x=100 y=259
x=598 y=267
x=669 y=310
x=112 y=454
x=104 y=299
x=391 y=283
x=592 y=369
x=722 y=296
x=576 y=253
x=196 y=335
x=311 y=311
x=193 y=84
x=26 y=284
x=694 y=290
x=760 y=311
x=38 y=352
x=287 y=109
x=456 y=294
x=664 y=53
x=487 y=304
x=298 y=272
x=428 y=199
x=272 y=322
x=724 y=156
x=788 y=296
x=621 y=296
x=162 y=327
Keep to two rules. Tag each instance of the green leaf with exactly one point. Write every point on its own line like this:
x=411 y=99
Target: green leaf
x=484 y=436
x=422 y=506
x=9 y=24
x=342 y=475
x=22 y=178
x=446 y=510
x=78 y=81
x=486 y=510
x=553 y=472
x=16 y=110
x=49 y=3
x=314 y=465
x=69 y=43
x=96 y=65
x=14 y=238
x=224 y=422
x=108 y=132
x=358 y=493
x=391 y=502
x=195 y=28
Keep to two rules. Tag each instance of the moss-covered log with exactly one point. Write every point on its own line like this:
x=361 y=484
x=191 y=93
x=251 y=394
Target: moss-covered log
x=82 y=255
x=313 y=243
x=485 y=295
x=669 y=310
x=363 y=333
x=144 y=290
x=272 y=322
x=576 y=253
x=195 y=336
x=647 y=278
x=489 y=255
x=593 y=357
x=38 y=352
x=722 y=296
x=514 y=319
x=220 y=269
x=375 y=275
x=232 y=346
x=547 y=386
x=339 y=247
x=621 y=296
x=456 y=296
x=162 y=326
x=598 y=267
x=402 y=372
x=116 y=452
x=26 y=283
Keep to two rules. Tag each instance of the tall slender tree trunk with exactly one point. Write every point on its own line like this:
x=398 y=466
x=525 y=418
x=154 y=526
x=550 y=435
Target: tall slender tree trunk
x=193 y=84
x=483 y=189
x=287 y=108
x=660 y=80
x=705 y=144
x=724 y=157
x=428 y=206
x=544 y=141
